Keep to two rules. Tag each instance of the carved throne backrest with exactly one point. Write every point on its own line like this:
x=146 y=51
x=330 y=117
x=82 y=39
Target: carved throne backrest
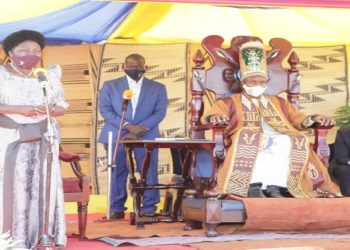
x=223 y=76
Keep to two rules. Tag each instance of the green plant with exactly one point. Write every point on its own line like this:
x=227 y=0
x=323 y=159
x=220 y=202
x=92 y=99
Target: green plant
x=343 y=116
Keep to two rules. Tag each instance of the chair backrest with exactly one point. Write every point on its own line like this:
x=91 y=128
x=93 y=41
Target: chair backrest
x=223 y=76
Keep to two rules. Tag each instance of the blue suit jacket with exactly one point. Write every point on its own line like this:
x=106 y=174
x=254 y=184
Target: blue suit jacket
x=150 y=110
x=341 y=150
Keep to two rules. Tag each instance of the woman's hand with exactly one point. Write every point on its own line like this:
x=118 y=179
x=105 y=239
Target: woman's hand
x=29 y=111
x=53 y=110
x=33 y=110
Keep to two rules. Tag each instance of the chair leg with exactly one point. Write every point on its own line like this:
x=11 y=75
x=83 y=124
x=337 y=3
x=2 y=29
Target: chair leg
x=82 y=219
x=211 y=229
x=191 y=224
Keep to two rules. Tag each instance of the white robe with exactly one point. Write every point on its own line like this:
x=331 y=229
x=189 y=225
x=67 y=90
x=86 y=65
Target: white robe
x=276 y=152
x=26 y=190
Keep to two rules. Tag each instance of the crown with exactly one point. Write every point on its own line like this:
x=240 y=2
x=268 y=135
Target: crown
x=252 y=60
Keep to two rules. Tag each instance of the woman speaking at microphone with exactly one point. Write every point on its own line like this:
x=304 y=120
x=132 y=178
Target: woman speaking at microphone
x=24 y=144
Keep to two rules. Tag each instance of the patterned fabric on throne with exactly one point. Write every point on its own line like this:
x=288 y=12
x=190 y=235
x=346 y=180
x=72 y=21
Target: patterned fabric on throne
x=222 y=78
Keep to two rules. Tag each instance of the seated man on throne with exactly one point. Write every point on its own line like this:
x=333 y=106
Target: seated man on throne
x=268 y=155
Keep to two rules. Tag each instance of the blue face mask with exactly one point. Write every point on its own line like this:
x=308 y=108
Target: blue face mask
x=135 y=74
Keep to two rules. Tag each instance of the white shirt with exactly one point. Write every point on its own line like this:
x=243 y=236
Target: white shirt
x=135 y=87
x=275 y=150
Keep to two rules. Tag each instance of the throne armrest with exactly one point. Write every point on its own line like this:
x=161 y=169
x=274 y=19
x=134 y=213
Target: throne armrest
x=202 y=127
x=320 y=144
x=217 y=136
x=205 y=185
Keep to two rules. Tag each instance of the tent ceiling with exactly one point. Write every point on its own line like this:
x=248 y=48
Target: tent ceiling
x=291 y=3
x=91 y=21
x=12 y=10
x=192 y=22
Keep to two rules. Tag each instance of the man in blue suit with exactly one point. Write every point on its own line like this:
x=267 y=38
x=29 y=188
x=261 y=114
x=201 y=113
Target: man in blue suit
x=147 y=110
x=339 y=167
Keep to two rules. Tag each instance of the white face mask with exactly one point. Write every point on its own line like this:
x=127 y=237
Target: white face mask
x=255 y=91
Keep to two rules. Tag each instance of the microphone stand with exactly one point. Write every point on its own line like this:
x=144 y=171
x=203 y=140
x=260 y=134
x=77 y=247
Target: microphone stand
x=109 y=169
x=112 y=162
x=45 y=240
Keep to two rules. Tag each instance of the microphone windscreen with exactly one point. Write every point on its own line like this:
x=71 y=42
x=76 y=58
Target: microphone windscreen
x=40 y=71
x=127 y=94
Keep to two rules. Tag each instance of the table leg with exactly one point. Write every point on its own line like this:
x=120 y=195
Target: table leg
x=145 y=164
x=138 y=188
x=134 y=218
x=137 y=209
x=186 y=166
x=130 y=162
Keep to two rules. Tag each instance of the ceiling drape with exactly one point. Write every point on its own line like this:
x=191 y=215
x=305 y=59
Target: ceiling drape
x=292 y=3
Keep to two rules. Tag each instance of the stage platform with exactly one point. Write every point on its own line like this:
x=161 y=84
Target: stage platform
x=171 y=236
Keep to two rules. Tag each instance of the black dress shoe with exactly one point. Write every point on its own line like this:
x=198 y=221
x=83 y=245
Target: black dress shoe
x=149 y=214
x=117 y=215
x=277 y=192
x=255 y=191
x=285 y=192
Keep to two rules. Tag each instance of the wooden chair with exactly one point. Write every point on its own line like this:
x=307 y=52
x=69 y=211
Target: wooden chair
x=77 y=189
x=223 y=78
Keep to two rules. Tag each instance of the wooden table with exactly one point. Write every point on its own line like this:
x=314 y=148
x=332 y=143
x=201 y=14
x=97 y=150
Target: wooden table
x=138 y=187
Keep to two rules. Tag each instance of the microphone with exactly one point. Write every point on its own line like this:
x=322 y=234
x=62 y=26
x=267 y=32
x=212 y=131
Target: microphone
x=127 y=94
x=41 y=74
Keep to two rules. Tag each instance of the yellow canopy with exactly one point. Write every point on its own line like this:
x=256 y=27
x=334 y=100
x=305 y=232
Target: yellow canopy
x=167 y=22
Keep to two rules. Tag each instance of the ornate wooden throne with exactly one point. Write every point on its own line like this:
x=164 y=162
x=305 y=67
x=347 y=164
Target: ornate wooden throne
x=202 y=205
